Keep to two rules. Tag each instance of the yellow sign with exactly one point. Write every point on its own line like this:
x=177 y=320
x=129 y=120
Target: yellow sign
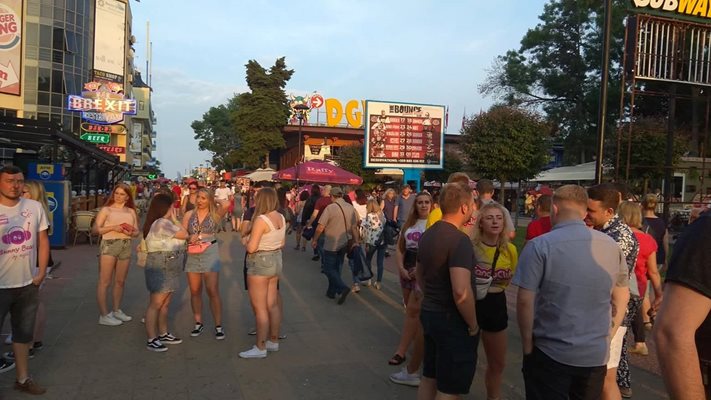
x=683 y=8
x=353 y=113
x=45 y=170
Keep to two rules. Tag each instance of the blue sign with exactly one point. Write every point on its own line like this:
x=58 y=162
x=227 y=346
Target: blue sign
x=52 y=203
x=58 y=204
x=45 y=172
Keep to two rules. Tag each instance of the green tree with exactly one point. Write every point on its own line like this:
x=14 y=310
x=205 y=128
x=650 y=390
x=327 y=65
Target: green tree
x=506 y=143
x=215 y=133
x=261 y=113
x=557 y=69
x=350 y=158
x=452 y=163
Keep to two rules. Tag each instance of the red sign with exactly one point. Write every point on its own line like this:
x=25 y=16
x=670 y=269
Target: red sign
x=316 y=101
x=113 y=149
x=95 y=128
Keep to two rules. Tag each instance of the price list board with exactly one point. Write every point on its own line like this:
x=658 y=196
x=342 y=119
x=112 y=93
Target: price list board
x=403 y=135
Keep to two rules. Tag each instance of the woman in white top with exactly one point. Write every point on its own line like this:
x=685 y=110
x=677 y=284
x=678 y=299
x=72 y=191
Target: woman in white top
x=264 y=265
x=117 y=223
x=165 y=243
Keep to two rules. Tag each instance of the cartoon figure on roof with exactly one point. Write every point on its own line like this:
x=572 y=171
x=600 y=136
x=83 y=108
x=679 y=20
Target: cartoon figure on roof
x=293 y=102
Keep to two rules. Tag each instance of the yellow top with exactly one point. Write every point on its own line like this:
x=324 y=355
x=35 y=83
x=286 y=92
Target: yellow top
x=435 y=215
x=505 y=264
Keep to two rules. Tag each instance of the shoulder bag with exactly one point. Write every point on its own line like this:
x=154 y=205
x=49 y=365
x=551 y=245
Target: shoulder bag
x=483 y=284
x=351 y=241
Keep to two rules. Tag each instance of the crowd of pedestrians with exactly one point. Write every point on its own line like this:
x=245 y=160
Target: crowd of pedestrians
x=590 y=271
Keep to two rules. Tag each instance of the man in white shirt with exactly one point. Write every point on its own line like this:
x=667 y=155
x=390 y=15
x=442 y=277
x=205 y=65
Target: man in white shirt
x=223 y=193
x=24 y=253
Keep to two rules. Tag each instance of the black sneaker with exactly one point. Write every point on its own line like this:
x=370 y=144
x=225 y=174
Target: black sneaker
x=315 y=258
x=37 y=345
x=10 y=355
x=156 y=345
x=168 y=338
x=343 y=295
x=219 y=333
x=197 y=330
x=6 y=365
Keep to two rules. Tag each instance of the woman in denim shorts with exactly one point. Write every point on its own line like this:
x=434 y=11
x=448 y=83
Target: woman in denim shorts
x=264 y=266
x=202 y=224
x=165 y=243
x=117 y=224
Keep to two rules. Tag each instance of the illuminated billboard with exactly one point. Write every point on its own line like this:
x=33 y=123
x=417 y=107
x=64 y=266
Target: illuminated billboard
x=403 y=135
x=102 y=103
x=10 y=46
x=110 y=40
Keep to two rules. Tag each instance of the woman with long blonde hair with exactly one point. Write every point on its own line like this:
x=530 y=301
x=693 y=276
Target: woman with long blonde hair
x=264 y=266
x=117 y=223
x=203 y=266
x=496 y=258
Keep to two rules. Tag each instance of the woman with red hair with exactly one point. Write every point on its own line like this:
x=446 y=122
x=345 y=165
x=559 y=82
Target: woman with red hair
x=117 y=223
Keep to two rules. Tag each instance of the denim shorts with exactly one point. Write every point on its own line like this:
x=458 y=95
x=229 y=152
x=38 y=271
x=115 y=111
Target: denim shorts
x=119 y=248
x=450 y=353
x=163 y=270
x=21 y=303
x=207 y=261
x=264 y=263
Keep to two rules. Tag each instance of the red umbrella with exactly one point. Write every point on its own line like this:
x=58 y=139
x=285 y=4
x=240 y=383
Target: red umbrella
x=321 y=172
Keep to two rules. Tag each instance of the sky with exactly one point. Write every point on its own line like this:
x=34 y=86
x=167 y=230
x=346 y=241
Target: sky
x=431 y=52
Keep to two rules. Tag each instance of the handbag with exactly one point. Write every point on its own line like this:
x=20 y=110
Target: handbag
x=351 y=241
x=483 y=284
x=308 y=232
x=199 y=247
x=142 y=254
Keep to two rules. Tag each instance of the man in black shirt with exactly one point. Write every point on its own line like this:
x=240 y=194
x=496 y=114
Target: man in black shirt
x=686 y=310
x=445 y=273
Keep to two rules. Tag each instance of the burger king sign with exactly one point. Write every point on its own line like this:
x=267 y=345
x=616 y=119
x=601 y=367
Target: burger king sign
x=10 y=46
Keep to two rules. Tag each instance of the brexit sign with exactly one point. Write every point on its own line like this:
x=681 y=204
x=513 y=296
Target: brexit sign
x=102 y=103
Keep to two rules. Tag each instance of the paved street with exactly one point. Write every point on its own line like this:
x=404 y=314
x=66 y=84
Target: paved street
x=332 y=352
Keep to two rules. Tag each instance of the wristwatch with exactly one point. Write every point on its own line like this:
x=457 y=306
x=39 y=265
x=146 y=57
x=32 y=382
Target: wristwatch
x=473 y=332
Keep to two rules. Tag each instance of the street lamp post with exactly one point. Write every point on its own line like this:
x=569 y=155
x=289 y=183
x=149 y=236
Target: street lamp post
x=300 y=114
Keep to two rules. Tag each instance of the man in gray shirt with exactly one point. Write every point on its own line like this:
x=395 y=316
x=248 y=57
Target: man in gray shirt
x=577 y=279
x=338 y=224
x=404 y=205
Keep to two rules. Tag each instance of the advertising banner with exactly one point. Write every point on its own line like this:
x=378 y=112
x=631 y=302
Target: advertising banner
x=694 y=10
x=102 y=103
x=110 y=40
x=403 y=135
x=136 y=138
x=10 y=46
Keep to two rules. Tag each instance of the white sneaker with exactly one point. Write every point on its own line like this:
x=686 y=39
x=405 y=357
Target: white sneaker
x=109 y=320
x=254 y=352
x=271 y=346
x=119 y=315
x=404 y=378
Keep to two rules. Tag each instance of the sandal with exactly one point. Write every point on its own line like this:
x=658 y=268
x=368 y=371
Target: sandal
x=397 y=359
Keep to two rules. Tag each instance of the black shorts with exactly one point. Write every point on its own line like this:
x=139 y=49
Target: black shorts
x=21 y=303
x=450 y=353
x=491 y=313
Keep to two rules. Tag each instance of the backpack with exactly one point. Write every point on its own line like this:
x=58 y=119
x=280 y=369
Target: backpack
x=390 y=232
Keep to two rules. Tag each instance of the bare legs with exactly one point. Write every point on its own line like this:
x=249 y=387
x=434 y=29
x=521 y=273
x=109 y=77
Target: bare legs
x=119 y=282
x=157 y=314
x=263 y=296
x=610 y=390
x=211 y=281
x=411 y=325
x=495 y=348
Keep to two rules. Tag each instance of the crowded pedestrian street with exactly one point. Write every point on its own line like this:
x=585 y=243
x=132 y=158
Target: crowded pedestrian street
x=330 y=352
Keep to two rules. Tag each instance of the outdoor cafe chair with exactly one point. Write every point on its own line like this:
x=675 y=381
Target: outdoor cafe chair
x=83 y=221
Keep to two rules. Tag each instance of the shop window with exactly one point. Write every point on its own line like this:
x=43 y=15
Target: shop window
x=58 y=82
x=32 y=34
x=57 y=100
x=45 y=55
x=43 y=98
x=45 y=36
x=43 y=79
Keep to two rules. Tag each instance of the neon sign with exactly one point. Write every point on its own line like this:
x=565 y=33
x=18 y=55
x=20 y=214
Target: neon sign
x=102 y=103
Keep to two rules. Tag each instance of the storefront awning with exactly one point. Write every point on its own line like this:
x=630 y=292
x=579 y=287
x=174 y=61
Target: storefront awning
x=33 y=134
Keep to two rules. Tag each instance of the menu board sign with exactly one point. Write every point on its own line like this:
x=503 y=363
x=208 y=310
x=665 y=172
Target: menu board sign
x=403 y=135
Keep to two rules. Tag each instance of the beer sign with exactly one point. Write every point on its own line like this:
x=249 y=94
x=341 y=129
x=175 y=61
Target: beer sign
x=99 y=138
